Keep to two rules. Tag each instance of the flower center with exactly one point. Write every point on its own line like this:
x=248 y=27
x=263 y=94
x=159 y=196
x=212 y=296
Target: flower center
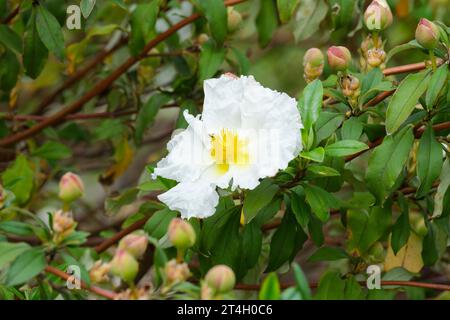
x=229 y=149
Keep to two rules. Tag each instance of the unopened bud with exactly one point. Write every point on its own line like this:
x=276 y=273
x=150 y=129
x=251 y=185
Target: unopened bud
x=378 y=16
x=124 y=265
x=220 y=278
x=70 y=187
x=135 y=243
x=63 y=224
x=376 y=57
x=234 y=19
x=176 y=272
x=339 y=58
x=99 y=272
x=313 y=62
x=202 y=38
x=181 y=234
x=351 y=88
x=427 y=34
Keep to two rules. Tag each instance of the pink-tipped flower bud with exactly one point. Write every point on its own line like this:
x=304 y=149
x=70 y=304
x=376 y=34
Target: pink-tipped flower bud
x=313 y=57
x=181 y=234
x=234 y=19
x=135 y=243
x=313 y=62
x=378 y=16
x=427 y=34
x=70 y=187
x=339 y=58
x=220 y=278
x=124 y=266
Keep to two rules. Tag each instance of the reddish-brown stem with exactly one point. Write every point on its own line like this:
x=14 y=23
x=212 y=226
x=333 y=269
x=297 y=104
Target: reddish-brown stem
x=435 y=286
x=97 y=290
x=116 y=238
x=407 y=68
x=78 y=75
x=102 y=85
x=12 y=15
x=80 y=116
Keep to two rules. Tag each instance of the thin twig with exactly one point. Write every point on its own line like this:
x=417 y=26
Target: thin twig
x=427 y=285
x=12 y=15
x=97 y=290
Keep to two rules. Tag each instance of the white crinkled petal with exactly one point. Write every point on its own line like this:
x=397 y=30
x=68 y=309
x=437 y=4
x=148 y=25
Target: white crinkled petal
x=188 y=155
x=192 y=199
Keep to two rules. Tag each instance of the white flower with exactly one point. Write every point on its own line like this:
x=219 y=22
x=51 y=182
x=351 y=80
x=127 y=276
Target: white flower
x=246 y=132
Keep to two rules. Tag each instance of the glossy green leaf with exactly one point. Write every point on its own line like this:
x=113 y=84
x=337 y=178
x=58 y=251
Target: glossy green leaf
x=26 y=266
x=270 y=289
x=317 y=154
x=328 y=254
x=429 y=161
x=19 y=178
x=86 y=7
x=401 y=229
x=10 y=251
x=310 y=103
x=404 y=100
x=147 y=114
x=258 y=198
x=387 y=162
x=345 y=148
x=211 y=58
x=35 y=53
x=50 y=32
x=266 y=21
x=156 y=227
x=320 y=201
x=308 y=18
x=143 y=20
x=10 y=38
x=286 y=9
x=216 y=14
x=301 y=282
x=438 y=82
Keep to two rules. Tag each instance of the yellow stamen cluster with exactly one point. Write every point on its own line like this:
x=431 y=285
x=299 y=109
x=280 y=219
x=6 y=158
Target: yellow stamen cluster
x=227 y=148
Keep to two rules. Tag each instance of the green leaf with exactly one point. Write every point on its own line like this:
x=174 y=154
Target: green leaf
x=270 y=289
x=216 y=14
x=147 y=114
x=266 y=21
x=50 y=32
x=283 y=244
x=35 y=53
x=9 y=71
x=308 y=18
x=328 y=254
x=302 y=284
x=19 y=179
x=156 y=227
x=345 y=148
x=322 y=171
x=387 y=162
x=351 y=129
x=310 y=103
x=320 y=201
x=430 y=254
x=437 y=83
x=10 y=38
x=17 y=228
x=406 y=46
x=251 y=244
x=258 y=198
x=143 y=20
x=242 y=60
x=429 y=161
x=27 y=265
x=86 y=7
x=331 y=287
x=286 y=9
x=317 y=155
x=404 y=99
x=52 y=150
x=211 y=58
x=300 y=208
x=327 y=124
x=10 y=251
x=401 y=228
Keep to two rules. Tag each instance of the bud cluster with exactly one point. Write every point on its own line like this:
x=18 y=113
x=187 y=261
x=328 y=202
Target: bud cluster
x=350 y=86
x=63 y=225
x=176 y=272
